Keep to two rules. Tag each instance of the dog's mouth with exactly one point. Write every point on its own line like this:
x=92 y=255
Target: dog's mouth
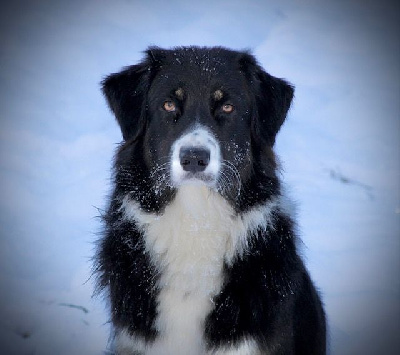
x=198 y=178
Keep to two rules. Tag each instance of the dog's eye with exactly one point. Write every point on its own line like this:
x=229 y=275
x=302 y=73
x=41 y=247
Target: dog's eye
x=227 y=108
x=169 y=106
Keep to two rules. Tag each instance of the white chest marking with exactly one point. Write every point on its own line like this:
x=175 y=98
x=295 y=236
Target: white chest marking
x=189 y=244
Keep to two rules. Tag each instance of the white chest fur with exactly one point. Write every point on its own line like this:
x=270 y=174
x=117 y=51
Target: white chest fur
x=189 y=244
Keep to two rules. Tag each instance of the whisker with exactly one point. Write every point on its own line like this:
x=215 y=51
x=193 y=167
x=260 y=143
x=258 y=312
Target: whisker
x=159 y=167
x=229 y=177
x=161 y=175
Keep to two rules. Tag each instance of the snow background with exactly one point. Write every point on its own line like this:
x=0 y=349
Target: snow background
x=339 y=149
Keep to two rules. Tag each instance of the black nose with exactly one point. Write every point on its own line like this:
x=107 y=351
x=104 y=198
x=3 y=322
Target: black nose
x=194 y=159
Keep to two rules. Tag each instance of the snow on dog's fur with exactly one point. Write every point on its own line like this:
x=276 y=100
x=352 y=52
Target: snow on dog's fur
x=199 y=253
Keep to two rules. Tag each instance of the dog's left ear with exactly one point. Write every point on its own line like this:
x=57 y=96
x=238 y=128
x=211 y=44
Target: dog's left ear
x=273 y=103
x=273 y=97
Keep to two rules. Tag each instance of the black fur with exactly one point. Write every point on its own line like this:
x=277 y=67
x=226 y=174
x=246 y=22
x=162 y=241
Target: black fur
x=270 y=298
x=126 y=271
x=267 y=293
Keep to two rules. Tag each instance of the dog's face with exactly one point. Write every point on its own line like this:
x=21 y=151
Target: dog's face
x=200 y=116
x=199 y=123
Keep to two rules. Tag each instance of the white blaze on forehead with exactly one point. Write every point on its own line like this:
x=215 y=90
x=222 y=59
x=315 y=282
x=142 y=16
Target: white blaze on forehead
x=198 y=137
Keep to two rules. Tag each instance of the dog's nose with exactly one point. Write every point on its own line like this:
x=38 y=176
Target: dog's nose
x=194 y=159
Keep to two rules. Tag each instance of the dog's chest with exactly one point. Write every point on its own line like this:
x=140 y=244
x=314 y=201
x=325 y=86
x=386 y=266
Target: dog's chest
x=188 y=244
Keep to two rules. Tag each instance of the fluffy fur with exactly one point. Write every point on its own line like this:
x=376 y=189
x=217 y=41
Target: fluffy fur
x=199 y=253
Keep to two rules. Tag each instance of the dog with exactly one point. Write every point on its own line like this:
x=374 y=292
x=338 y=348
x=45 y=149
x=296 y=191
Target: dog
x=198 y=254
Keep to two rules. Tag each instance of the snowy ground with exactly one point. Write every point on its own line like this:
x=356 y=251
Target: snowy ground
x=339 y=149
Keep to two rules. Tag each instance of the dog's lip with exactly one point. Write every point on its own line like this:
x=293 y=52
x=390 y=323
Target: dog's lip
x=198 y=177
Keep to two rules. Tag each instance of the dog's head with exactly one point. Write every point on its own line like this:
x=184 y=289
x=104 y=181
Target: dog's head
x=201 y=116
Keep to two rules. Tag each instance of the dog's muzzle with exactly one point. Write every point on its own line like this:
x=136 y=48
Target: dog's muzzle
x=195 y=158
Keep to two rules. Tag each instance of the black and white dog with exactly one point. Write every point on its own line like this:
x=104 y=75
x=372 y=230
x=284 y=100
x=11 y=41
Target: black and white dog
x=199 y=253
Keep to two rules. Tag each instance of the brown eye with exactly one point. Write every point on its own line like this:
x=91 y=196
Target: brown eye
x=169 y=106
x=227 y=108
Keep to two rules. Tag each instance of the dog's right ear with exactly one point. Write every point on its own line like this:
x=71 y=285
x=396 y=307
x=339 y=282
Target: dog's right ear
x=125 y=93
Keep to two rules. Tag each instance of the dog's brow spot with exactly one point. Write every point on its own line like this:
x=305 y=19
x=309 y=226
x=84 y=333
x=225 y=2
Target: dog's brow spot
x=218 y=95
x=179 y=93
